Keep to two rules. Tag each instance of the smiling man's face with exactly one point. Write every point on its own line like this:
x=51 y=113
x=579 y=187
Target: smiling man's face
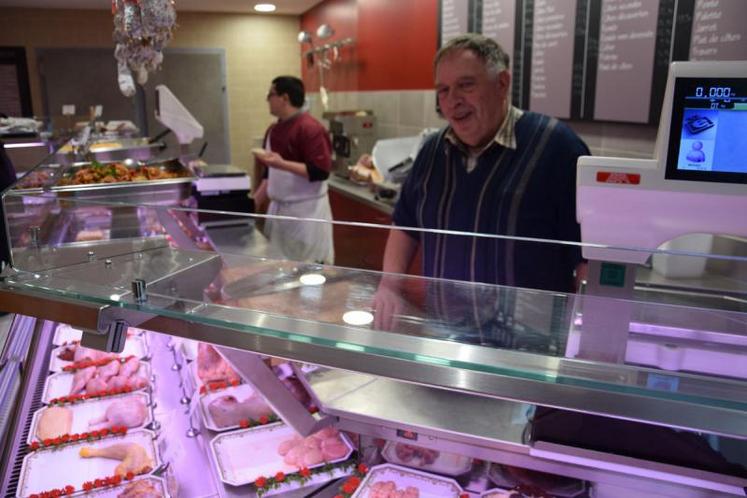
x=471 y=97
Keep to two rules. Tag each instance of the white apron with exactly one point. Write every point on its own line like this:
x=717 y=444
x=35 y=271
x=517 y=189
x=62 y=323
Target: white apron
x=295 y=196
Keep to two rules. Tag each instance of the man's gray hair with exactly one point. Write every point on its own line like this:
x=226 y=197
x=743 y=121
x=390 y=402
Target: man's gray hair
x=487 y=49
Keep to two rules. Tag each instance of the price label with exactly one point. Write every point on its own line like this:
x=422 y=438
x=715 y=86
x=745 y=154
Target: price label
x=68 y=110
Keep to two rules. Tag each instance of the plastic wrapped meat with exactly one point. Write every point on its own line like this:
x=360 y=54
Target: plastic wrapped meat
x=227 y=411
x=388 y=489
x=323 y=446
x=54 y=421
x=423 y=456
x=211 y=367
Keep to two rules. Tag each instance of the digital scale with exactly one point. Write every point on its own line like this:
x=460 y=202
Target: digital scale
x=696 y=184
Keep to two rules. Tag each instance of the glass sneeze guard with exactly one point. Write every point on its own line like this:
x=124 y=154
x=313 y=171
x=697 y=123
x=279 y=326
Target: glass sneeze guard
x=507 y=342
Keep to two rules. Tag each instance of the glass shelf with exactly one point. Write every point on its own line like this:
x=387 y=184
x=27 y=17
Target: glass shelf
x=683 y=367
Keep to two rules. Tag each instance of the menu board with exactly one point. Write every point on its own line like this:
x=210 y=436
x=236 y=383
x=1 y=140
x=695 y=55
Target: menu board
x=498 y=22
x=551 y=75
x=455 y=19
x=718 y=30
x=625 y=64
x=604 y=60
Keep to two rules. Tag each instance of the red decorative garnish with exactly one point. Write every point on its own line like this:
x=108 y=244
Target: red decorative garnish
x=362 y=468
x=87 y=486
x=264 y=419
x=304 y=472
x=80 y=365
x=129 y=476
x=261 y=482
x=235 y=382
x=280 y=477
x=243 y=423
x=313 y=409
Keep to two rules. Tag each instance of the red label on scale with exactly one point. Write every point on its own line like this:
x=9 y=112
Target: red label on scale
x=626 y=178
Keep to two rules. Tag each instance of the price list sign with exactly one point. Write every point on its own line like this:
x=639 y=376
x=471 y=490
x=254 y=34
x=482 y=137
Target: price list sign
x=498 y=22
x=627 y=41
x=552 y=57
x=718 y=30
x=454 y=19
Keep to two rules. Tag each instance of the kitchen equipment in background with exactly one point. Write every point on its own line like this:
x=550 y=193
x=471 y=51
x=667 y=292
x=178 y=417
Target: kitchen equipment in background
x=393 y=157
x=353 y=134
x=222 y=188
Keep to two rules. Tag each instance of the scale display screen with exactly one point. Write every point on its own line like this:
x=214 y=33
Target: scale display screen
x=708 y=135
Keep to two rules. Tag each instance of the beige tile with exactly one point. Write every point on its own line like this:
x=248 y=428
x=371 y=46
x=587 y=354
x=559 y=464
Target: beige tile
x=386 y=131
x=385 y=105
x=411 y=109
x=408 y=131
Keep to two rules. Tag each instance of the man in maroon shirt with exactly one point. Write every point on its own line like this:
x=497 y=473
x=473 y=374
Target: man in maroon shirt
x=298 y=155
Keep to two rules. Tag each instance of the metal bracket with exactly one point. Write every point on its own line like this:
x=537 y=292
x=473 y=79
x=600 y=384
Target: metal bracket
x=111 y=341
x=253 y=370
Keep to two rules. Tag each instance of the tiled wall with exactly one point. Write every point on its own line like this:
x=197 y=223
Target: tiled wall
x=406 y=113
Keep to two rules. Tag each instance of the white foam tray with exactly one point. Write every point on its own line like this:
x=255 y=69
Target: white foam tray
x=429 y=485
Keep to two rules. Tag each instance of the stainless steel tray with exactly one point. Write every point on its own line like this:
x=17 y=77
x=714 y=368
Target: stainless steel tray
x=118 y=149
x=167 y=191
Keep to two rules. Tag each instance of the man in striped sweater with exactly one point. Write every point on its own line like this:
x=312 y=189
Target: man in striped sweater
x=494 y=169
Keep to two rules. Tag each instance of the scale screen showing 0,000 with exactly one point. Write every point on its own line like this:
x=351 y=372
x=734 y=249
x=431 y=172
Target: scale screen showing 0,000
x=718 y=92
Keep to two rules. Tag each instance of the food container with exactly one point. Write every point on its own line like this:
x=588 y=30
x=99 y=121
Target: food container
x=134 y=346
x=242 y=456
x=439 y=462
x=89 y=410
x=159 y=191
x=508 y=477
x=59 y=384
x=429 y=485
x=240 y=392
x=42 y=470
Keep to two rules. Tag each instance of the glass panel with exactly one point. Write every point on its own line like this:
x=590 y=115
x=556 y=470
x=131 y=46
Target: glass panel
x=679 y=334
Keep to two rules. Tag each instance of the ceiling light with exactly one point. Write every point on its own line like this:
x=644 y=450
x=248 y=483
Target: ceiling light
x=265 y=7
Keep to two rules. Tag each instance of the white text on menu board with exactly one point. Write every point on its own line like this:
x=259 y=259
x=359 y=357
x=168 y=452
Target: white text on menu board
x=709 y=32
x=549 y=30
x=453 y=19
x=614 y=14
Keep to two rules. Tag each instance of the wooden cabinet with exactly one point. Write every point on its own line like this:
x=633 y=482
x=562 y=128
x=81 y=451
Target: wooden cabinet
x=356 y=246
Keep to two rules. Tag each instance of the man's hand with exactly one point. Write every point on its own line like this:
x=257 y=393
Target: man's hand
x=268 y=158
x=388 y=303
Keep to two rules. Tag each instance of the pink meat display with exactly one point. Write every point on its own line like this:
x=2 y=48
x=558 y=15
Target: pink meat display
x=128 y=412
x=113 y=375
x=323 y=446
x=211 y=367
x=76 y=352
x=228 y=411
x=140 y=489
x=408 y=453
x=388 y=489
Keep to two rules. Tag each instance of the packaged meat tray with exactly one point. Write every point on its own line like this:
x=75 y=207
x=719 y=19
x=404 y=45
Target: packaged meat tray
x=509 y=477
x=243 y=456
x=67 y=383
x=63 y=356
x=439 y=462
x=386 y=480
x=129 y=410
x=224 y=410
x=47 y=469
x=146 y=487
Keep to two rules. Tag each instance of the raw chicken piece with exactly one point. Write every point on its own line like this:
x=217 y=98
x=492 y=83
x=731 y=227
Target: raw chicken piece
x=211 y=367
x=54 y=421
x=387 y=489
x=323 y=446
x=137 y=382
x=227 y=410
x=140 y=489
x=96 y=385
x=128 y=412
x=118 y=382
x=333 y=448
x=81 y=378
x=130 y=367
x=109 y=370
x=133 y=456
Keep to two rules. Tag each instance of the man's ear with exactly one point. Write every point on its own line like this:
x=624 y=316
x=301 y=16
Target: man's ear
x=504 y=78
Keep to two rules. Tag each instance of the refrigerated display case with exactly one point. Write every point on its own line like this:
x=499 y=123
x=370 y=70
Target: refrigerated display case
x=468 y=387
